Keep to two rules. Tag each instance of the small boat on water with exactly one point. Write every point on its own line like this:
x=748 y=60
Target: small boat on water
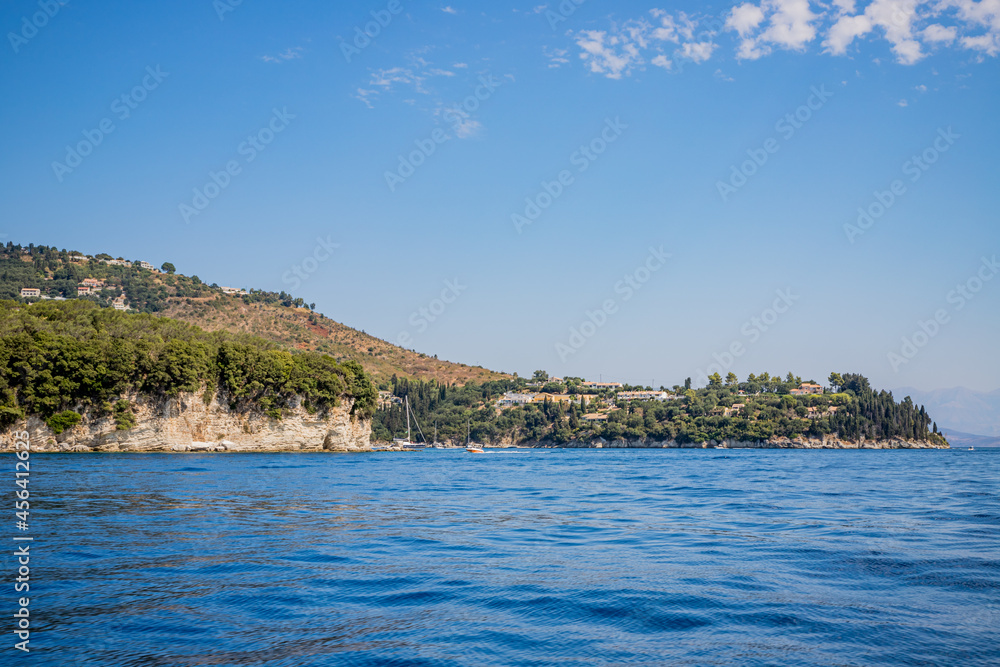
x=972 y=449
x=472 y=447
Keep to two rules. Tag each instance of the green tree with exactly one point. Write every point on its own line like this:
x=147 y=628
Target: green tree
x=168 y=268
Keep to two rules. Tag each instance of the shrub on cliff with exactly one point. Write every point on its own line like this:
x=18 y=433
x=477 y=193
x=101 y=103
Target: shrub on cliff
x=61 y=421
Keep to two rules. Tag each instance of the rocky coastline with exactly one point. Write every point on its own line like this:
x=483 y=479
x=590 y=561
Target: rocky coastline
x=187 y=424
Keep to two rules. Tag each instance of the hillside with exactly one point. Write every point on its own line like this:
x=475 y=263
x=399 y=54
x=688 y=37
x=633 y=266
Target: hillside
x=762 y=411
x=277 y=317
x=305 y=330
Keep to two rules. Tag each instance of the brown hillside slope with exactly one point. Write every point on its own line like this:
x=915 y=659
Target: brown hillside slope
x=305 y=330
x=60 y=274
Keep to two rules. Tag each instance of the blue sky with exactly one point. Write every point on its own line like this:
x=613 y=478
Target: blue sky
x=739 y=139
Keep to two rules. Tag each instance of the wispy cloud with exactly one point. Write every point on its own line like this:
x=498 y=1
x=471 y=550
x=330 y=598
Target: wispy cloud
x=288 y=54
x=428 y=80
x=449 y=10
x=556 y=57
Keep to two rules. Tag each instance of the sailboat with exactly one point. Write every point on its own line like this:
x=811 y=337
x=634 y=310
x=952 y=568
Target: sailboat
x=436 y=444
x=406 y=443
x=472 y=447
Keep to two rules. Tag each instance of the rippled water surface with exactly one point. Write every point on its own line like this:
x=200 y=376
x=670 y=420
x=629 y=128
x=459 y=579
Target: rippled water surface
x=697 y=557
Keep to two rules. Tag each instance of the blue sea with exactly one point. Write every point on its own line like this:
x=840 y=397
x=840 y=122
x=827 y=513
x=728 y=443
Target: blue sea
x=514 y=557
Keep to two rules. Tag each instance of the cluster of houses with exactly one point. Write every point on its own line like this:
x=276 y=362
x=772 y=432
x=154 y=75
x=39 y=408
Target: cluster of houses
x=87 y=287
x=234 y=291
x=125 y=262
x=513 y=399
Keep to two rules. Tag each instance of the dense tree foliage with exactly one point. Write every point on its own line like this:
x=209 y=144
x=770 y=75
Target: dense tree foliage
x=765 y=409
x=72 y=356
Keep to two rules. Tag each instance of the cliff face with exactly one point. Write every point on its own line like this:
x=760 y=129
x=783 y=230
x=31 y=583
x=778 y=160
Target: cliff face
x=186 y=423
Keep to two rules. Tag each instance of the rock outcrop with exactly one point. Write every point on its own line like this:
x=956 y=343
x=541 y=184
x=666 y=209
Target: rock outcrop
x=187 y=424
x=828 y=442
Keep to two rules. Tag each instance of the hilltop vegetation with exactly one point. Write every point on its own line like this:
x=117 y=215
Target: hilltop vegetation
x=274 y=316
x=765 y=409
x=60 y=359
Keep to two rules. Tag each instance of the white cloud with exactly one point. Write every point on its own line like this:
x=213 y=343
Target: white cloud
x=911 y=28
x=844 y=31
x=608 y=55
x=791 y=24
x=673 y=28
x=698 y=52
x=633 y=44
x=662 y=61
x=449 y=10
x=939 y=33
x=989 y=43
x=744 y=18
x=896 y=17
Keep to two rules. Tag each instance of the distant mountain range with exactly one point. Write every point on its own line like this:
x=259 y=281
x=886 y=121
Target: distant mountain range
x=960 y=410
x=959 y=440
